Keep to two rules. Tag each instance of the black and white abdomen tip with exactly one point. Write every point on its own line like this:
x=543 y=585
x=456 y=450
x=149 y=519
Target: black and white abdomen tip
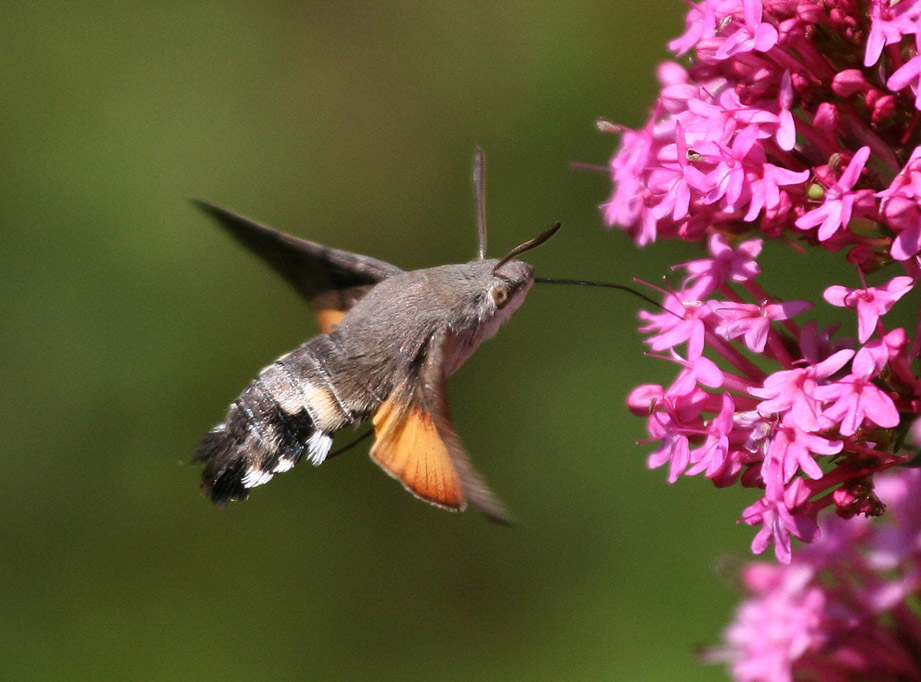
x=264 y=434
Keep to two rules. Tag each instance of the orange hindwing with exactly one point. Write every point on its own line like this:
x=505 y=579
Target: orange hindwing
x=329 y=318
x=409 y=448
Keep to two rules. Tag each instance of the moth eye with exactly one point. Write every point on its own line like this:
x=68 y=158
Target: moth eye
x=499 y=295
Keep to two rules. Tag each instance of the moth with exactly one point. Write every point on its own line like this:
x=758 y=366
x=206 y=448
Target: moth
x=388 y=341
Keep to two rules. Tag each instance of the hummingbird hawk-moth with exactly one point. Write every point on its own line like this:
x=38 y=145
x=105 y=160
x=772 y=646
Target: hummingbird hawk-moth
x=388 y=341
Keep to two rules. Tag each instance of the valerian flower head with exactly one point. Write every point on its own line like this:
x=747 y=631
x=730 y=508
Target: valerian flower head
x=845 y=608
x=797 y=122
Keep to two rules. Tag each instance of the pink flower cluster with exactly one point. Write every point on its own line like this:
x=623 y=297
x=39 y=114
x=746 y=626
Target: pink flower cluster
x=790 y=121
x=845 y=609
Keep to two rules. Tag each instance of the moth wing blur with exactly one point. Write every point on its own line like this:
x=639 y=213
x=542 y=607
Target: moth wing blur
x=332 y=280
x=416 y=444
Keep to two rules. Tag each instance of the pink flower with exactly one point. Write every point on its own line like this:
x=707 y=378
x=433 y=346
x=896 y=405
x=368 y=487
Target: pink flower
x=712 y=455
x=835 y=211
x=717 y=117
x=769 y=132
x=848 y=82
x=889 y=21
x=766 y=193
x=855 y=398
x=703 y=21
x=793 y=391
x=681 y=322
x=728 y=180
x=750 y=36
x=727 y=264
x=786 y=131
x=699 y=371
x=901 y=206
x=627 y=205
x=774 y=628
x=844 y=608
x=908 y=74
x=669 y=180
x=674 y=427
x=753 y=322
x=778 y=526
x=871 y=303
x=792 y=449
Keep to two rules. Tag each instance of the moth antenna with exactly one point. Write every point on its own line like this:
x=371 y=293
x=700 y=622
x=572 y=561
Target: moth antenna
x=606 y=285
x=479 y=193
x=528 y=245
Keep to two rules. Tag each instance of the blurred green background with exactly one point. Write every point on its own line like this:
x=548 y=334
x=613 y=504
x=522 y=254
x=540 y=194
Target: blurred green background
x=129 y=322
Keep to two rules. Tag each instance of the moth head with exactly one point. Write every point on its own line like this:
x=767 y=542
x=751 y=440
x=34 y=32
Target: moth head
x=494 y=288
x=480 y=298
x=511 y=278
x=504 y=289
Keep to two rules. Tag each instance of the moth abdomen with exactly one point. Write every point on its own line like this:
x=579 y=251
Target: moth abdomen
x=282 y=416
x=266 y=432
